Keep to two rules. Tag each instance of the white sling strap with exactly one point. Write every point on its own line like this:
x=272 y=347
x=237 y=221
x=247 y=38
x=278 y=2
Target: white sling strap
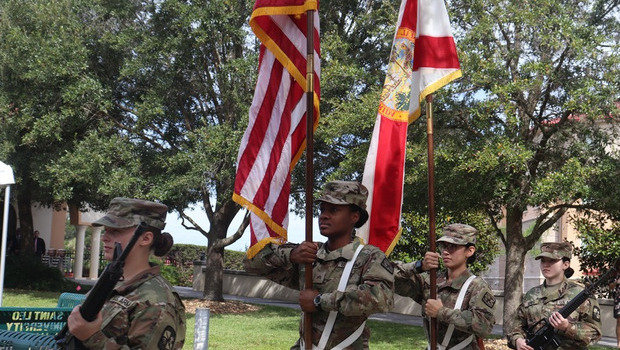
x=329 y=325
x=457 y=306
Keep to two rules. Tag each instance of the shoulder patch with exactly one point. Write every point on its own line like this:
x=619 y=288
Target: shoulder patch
x=387 y=265
x=488 y=299
x=122 y=301
x=168 y=337
x=596 y=314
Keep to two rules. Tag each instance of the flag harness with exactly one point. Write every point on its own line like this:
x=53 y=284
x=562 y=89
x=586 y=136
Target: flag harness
x=329 y=325
x=457 y=306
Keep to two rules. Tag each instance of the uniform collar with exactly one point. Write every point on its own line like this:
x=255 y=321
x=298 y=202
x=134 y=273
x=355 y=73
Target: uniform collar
x=345 y=252
x=456 y=283
x=557 y=292
x=124 y=287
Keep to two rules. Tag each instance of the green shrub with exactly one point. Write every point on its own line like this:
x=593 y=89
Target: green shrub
x=178 y=265
x=233 y=260
x=177 y=275
x=29 y=273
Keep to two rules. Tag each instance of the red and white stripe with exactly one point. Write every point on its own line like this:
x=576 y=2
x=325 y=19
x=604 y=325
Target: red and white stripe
x=428 y=61
x=276 y=134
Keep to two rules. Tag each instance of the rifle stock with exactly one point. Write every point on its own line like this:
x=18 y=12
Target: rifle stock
x=101 y=291
x=546 y=337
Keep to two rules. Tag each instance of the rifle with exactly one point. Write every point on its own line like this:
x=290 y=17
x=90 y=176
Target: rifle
x=101 y=291
x=546 y=337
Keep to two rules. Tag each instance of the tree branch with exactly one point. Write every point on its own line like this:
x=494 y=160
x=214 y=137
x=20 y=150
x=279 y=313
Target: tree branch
x=195 y=226
x=498 y=231
x=240 y=230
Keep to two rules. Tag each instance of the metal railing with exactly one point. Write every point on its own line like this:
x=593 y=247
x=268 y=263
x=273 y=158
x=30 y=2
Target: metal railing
x=63 y=260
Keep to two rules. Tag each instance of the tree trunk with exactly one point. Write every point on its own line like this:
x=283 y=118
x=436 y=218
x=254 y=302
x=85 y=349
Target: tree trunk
x=214 y=273
x=24 y=207
x=513 y=283
x=516 y=250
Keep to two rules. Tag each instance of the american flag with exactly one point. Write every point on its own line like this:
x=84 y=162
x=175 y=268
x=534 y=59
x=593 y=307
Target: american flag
x=423 y=59
x=276 y=135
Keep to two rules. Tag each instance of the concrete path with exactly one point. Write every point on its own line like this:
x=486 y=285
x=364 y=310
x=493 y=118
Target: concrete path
x=187 y=292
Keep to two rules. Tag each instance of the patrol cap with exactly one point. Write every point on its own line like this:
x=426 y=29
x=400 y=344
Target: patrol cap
x=129 y=212
x=459 y=234
x=345 y=193
x=555 y=250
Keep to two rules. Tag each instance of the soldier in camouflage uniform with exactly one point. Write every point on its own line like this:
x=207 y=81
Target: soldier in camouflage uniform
x=369 y=288
x=475 y=317
x=144 y=311
x=581 y=328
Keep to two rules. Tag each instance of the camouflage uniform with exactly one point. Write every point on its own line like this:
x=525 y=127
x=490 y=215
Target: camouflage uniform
x=476 y=315
x=369 y=289
x=144 y=312
x=370 y=285
x=540 y=302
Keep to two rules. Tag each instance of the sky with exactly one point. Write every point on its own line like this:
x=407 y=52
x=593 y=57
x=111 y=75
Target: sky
x=296 y=230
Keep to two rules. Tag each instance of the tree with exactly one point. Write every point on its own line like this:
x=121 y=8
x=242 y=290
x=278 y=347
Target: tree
x=129 y=98
x=599 y=248
x=165 y=89
x=531 y=122
x=48 y=96
x=184 y=79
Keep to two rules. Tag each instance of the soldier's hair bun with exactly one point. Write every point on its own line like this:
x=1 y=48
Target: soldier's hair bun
x=162 y=243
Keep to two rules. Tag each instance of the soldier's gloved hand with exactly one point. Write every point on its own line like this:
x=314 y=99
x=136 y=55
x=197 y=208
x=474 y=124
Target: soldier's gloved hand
x=306 y=299
x=305 y=253
x=521 y=345
x=79 y=327
x=431 y=261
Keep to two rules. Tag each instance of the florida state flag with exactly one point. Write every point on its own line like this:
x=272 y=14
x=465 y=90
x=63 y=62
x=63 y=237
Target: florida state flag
x=423 y=59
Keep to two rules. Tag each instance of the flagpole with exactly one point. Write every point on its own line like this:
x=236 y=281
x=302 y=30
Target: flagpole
x=431 y=209
x=309 y=162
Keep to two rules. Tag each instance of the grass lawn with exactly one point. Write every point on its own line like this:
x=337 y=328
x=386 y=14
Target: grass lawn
x=269 y=328
x=275 y=327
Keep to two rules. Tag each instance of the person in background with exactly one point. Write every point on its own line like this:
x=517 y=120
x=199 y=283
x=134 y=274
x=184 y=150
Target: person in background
x=39 y=245
x=582 y=327
x=465 y=304
x=144 y=311
x=339 y=314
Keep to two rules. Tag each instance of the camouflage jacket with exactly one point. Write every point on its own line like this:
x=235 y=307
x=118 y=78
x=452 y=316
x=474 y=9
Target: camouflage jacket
x=369 y=289
x=143 y=313
x=539 y=303
x=476 y=315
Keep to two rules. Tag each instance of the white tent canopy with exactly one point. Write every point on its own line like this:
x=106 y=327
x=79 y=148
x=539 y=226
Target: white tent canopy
x=6 y=180
x=6 y=175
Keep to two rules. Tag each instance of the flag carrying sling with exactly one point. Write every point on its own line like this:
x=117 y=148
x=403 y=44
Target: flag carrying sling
x=423 y=59
x=276 y=134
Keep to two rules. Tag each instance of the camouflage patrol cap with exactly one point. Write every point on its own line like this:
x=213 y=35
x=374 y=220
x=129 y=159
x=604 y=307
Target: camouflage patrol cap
x=345 y=193
x=555 y=250
x=128 y=212
x=460 y=234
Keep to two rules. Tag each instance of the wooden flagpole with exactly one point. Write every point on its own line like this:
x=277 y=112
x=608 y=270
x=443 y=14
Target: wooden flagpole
x=309 y=162
x=431 y=209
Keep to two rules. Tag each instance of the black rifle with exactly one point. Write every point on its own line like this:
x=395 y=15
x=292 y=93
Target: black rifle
x=546 y=337
x=101 y=291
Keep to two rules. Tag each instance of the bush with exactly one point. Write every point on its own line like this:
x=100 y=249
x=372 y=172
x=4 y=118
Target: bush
x=178 y=265
x=177 y=276
x=233 y=260
x=29 y=273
